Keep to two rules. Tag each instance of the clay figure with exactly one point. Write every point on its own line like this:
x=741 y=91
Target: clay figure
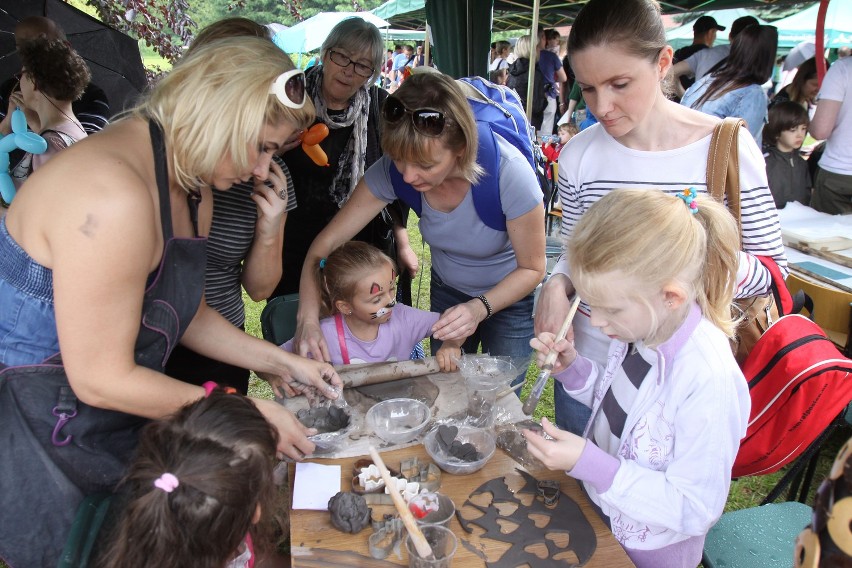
x=564 y=518
x=446 y=439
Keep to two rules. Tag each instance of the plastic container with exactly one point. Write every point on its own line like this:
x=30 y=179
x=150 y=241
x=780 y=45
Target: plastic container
x=398 y=420
x=483 y=440
x=445 y=513
x=443 y=543
x=484 y=376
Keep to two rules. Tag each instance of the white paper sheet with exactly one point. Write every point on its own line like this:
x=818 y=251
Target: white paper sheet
x=314 y=485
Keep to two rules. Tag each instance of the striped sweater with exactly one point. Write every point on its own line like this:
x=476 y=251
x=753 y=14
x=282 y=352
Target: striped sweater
x=594 y=163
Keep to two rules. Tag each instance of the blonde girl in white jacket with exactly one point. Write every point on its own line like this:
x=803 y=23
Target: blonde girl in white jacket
x=668 y=411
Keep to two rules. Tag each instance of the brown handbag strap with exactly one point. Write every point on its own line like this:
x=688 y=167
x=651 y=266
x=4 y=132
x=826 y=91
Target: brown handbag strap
x=723 y=165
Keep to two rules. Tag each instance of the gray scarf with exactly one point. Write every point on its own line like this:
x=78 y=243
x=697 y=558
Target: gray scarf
x=350 y=166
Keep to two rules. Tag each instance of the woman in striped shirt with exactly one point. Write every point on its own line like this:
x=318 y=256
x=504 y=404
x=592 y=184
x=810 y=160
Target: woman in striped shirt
x=620 y=58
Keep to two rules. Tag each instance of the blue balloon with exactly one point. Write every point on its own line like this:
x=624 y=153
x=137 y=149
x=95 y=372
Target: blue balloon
x=22 y=138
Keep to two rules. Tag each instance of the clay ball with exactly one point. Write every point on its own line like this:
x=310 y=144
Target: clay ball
x=349 y=512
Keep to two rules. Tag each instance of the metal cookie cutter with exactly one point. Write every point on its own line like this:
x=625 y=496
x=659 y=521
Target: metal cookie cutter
x=549 y=491
x=386 y=537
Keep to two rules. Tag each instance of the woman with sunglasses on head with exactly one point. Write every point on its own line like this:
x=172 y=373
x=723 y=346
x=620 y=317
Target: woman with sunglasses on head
x=103 y=265
x=244 y=243
x=347 y=101
x=620 y=58
x=482 y=278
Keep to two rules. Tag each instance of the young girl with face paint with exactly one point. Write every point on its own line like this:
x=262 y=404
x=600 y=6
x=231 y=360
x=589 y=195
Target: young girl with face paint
x=365 y=324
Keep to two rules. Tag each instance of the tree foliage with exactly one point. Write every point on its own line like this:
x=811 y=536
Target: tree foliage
x=168 y=25
x=164 y=25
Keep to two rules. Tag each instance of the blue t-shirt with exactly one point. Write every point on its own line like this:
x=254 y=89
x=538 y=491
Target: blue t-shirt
x=550 y=64
x=468 y=255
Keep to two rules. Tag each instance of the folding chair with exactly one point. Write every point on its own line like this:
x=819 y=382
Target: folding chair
x=278 y=318
x=552 y=209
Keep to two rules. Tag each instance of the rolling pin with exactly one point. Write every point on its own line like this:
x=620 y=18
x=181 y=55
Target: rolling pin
x=374 y=373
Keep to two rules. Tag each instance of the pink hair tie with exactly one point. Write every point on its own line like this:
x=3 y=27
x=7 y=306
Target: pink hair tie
x=167 y=482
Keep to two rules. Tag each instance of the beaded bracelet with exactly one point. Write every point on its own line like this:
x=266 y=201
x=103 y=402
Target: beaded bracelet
x=485 y=301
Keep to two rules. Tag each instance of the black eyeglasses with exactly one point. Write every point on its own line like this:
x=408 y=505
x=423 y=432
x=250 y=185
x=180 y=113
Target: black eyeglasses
x=360 y=69
x=426 y=121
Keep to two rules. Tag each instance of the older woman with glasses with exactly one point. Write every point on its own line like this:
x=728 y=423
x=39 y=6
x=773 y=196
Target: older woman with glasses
x=347 y=101
x=103 y=265
x=482 y=277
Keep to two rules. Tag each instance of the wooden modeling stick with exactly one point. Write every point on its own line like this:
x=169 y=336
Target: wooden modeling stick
x=547 y=368
x=417 y=538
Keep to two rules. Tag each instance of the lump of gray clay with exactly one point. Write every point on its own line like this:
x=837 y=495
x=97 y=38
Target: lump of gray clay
x=349 y=512
x=324 y=418
x=446 y=439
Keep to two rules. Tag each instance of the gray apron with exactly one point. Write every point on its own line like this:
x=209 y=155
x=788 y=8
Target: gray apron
x=55 y=449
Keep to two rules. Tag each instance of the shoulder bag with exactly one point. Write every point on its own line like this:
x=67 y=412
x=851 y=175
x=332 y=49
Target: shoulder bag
x=755 y=313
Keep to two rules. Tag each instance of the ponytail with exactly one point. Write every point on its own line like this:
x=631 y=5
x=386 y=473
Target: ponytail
x=720 y=266
x=656 y=239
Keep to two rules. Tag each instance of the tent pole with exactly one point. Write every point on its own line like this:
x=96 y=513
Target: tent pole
x=820 y=39
x=533 y=58
x=426 y=44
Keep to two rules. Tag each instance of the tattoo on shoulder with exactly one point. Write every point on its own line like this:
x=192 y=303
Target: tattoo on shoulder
x=88 y=228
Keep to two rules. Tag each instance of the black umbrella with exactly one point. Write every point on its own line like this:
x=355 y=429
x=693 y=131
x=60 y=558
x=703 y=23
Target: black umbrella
x=113 y=57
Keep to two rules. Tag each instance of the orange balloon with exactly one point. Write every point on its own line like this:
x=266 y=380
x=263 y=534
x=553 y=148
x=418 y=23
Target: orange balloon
x=315 y=134
x=316 y=154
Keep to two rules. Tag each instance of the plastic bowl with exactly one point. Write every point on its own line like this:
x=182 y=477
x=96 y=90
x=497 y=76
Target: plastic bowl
x=398 y=420
x=482 y=440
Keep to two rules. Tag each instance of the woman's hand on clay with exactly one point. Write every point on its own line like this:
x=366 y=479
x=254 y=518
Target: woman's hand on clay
x=546 y=341
x=317 y=374
x=460 y=321
x=281 y=386
x=560 y=453
x=293 y=435
x=270 y=195
x=310 y=342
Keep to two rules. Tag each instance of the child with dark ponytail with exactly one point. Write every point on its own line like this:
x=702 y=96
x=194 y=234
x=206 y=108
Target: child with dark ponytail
x=200 y=492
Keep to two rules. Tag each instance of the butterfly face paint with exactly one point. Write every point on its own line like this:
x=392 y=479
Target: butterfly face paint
x=384 y=311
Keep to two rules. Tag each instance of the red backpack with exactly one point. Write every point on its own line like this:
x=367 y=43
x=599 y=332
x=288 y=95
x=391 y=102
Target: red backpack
x=798 y=382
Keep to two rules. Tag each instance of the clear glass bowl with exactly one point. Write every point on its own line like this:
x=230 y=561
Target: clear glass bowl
x=398 y=420
x=482 y=440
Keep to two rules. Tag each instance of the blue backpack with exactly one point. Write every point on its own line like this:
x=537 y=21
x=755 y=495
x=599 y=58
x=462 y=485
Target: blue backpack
x=499 y=111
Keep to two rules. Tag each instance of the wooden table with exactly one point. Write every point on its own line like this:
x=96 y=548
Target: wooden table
x=314 y=542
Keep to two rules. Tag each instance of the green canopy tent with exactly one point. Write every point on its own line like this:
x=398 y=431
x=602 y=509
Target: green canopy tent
x=800 y=27
x=522 y=15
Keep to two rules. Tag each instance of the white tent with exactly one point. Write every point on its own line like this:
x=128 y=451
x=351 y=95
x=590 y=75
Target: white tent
x=309 y=34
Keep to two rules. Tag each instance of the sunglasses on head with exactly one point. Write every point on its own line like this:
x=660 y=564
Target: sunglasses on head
x=426 y=121
x=289 y=87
